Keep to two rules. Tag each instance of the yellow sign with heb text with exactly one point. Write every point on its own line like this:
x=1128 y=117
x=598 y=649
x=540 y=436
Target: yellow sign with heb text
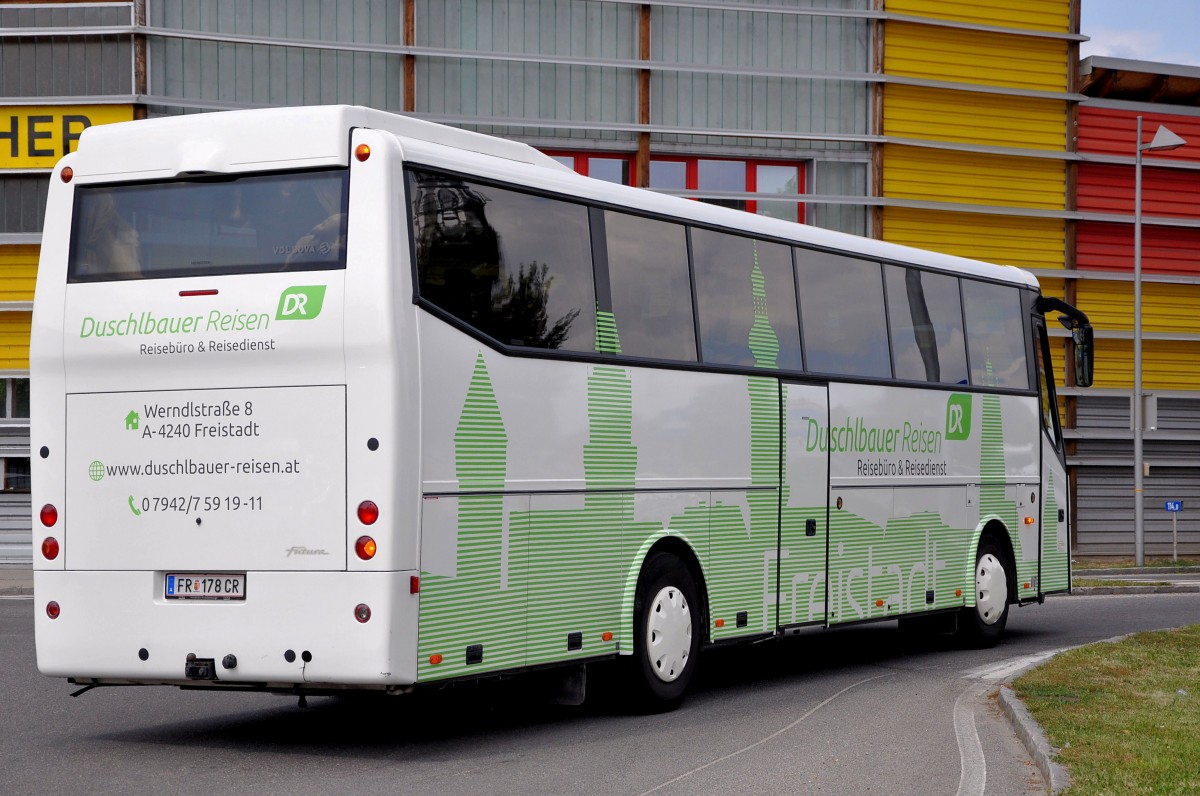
x=36 y=136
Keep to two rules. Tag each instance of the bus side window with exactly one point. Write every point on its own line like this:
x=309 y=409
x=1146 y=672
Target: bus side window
x=746 y=297
x=995 y=335
x=925 y=315
x=515 y=266
x=651 y=287
x=842 y=315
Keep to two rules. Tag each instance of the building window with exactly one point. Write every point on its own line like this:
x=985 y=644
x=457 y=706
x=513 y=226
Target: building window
x=610 y=168
x=15 y=474
x=14 y=398
x=778 y=182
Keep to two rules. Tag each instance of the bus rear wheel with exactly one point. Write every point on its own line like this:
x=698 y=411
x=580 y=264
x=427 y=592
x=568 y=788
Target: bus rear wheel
x=667 y=630
x=983 y=624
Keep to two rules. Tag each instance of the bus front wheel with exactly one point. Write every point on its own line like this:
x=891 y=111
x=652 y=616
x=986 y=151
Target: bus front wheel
x=983 y=624
x=666 y=642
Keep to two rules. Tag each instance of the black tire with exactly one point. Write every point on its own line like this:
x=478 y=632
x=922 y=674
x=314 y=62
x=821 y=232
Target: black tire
x=982 y=625
x=667 y=632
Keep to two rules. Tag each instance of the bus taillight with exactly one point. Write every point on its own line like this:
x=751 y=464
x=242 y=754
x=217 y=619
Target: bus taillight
x=67 y=173
x=49 y=515
x=365 y=548
x=362 y=612
x=50 y=548
x=52 y=610
x=368 y=512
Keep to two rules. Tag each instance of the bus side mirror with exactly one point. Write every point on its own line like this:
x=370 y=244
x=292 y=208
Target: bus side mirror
x=1085 y=354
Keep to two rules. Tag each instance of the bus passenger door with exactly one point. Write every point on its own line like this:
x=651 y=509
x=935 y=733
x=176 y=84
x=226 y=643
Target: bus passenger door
x=804 y=515
x=1054 y=547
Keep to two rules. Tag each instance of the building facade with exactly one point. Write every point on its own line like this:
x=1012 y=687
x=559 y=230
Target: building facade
x=951 y=125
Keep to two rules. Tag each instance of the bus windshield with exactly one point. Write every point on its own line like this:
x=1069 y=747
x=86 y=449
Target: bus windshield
x=198 y=227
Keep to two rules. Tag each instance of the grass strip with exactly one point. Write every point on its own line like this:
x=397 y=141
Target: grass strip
x=1125 y=716
x=1126 y=563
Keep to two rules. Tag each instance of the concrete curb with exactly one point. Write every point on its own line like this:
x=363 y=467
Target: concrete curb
x=1030 y=732
x=1084 y=591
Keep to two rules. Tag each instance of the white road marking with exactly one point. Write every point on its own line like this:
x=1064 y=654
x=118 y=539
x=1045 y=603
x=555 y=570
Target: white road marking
x=762 y=741
x=973 y=772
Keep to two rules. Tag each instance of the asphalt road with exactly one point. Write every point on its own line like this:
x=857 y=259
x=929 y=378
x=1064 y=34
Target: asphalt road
x=858 y=710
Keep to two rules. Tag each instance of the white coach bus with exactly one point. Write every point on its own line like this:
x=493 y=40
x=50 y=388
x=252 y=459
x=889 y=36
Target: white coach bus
x=331 y=398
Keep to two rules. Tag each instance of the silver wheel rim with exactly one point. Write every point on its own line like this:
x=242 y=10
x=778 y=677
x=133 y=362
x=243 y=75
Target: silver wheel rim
x=668 y=634
x=991 y=589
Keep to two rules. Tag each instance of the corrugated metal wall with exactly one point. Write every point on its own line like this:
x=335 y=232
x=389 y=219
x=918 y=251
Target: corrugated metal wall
x=15 y=517
x=257 y=74
x=66 y=67
x=995 y=120
x=14 y=340
x=22 y=203
x=18 y=272
x=467 y=88
x=1027 y=242
x=1029 y=14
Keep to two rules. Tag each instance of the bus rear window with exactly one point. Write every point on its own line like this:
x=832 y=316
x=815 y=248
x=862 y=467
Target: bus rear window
x=278 y=222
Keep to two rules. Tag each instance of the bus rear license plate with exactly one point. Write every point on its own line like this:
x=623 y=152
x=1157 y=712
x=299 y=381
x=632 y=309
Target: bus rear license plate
x=205 y=586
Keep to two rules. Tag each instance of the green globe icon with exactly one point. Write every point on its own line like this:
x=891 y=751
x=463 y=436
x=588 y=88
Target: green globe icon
x=96 y=470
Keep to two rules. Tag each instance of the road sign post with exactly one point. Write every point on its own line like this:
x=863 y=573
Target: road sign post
x=1174 y=506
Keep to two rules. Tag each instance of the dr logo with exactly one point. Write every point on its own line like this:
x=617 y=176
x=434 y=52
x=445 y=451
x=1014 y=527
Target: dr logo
x=958 y=417
x=300 y=303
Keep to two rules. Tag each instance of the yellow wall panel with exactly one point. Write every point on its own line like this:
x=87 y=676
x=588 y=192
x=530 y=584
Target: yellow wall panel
x=18 y=272
x=971 y=178
x=14 y=340
x=1025 y=242
x=994 y=120
x=1165 y=308
x=1165 y=365
x=1043 y=15
x=967 y=56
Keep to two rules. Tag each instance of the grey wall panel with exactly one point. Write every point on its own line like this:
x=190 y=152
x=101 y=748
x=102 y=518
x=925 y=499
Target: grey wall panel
x=838 y=178
x=493 y=89
x=760 y=41
x=267 y=74
x=61 y=67
x=83 y=15
x=1105 y=411
x=23 y=202
x=16 y=522
x=1105 y=498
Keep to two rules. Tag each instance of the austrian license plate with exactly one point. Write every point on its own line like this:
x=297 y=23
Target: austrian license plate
x=205 y=586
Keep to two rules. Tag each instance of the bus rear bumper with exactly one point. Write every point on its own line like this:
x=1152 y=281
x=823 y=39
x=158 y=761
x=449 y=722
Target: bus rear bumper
x=293 y=628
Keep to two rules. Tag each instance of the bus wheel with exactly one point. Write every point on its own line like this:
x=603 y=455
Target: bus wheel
x=666 y=641
x=984 y=623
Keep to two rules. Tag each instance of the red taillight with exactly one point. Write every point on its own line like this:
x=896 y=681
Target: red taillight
x=365 y=548
x=52 y=610
x=414 y=584
x=67 y=173
x=49 y=515
x=50 y=548
x=362 y=152
x=368 y=512
x=362 y=612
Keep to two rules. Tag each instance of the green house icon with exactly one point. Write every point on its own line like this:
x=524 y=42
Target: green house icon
x=131 y=421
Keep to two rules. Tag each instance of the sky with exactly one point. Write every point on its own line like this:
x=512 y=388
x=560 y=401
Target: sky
x=1167 y=31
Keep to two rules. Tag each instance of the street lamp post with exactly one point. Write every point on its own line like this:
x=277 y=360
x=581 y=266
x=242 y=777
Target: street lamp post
x=1163 y=140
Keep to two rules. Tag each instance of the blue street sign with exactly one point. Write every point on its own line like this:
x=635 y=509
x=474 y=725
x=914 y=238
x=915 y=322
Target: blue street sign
x=1174 y=505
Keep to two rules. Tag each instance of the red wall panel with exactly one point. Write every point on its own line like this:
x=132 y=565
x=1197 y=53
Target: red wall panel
x=1165 y=192
x=1105 y=131
x=1109 y=247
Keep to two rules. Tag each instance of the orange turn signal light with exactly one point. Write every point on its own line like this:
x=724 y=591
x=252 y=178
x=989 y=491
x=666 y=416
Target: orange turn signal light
x=365 y=548
x=434 y=660
x=719 y=623
x=362 y=152
x=606 y=636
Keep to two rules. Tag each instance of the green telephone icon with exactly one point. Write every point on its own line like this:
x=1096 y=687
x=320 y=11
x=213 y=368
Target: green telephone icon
x=136 y=511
